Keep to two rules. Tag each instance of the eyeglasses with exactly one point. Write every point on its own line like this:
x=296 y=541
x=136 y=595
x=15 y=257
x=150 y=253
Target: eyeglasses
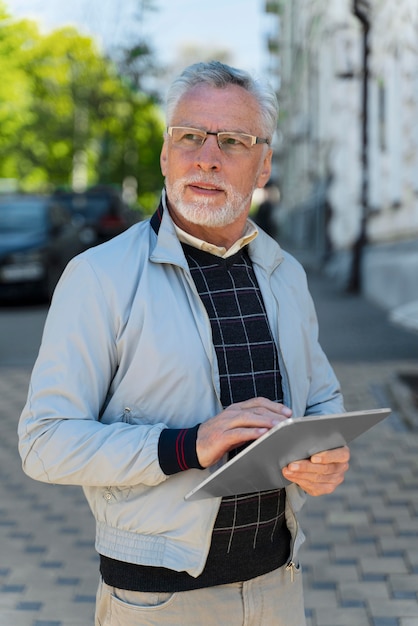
x=189 y=139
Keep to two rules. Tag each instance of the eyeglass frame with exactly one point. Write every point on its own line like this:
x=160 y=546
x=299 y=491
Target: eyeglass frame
x=254 y=139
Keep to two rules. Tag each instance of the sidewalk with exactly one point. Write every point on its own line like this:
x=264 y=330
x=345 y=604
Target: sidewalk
x=48 y=566
x=360 y=560
x=361 y=556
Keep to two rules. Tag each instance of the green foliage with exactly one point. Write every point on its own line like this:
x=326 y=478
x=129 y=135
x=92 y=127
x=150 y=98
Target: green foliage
x=62 y=102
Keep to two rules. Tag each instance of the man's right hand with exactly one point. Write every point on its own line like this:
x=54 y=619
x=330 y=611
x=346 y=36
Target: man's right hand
x=237 y=424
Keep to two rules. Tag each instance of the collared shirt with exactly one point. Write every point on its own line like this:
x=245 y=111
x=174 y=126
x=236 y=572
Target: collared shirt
x=250 y=233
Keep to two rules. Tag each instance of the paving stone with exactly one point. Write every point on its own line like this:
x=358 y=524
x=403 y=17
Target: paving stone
x=354 y=551
x=342 y=617
x=317 y=598
x=383 y=565
x=352 y=590
x=393 y=608
x=403 y=582
x=333 y=572
x=346 y=518
x=15 y=618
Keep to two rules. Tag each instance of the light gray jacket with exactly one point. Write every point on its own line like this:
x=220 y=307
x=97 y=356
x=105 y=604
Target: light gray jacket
x=127 y=351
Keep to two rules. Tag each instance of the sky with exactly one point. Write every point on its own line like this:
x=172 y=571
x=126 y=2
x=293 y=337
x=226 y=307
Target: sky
x=236 y=25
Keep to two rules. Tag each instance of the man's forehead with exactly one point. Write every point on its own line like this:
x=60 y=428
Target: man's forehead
x=221 y=106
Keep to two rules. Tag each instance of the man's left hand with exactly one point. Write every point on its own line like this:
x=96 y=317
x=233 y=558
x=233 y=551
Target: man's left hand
x=322 y=473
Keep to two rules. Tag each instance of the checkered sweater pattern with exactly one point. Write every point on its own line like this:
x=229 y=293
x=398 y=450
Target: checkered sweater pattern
x=250 y=536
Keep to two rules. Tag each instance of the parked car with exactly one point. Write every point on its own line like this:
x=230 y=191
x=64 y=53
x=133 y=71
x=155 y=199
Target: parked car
x=37 y=239
x=100 y=212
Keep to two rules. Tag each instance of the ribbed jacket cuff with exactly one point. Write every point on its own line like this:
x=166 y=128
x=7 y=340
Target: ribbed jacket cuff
x=177 y=450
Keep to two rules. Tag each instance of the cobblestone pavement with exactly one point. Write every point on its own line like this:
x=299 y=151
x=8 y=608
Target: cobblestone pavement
x=360 y=559
x=48 y=565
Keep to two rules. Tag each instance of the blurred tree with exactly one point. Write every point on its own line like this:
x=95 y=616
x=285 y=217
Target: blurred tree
x=136 y=58
x=66 y=115
x=15 y=93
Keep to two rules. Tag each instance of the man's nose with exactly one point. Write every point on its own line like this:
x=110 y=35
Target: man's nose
x=209 y=155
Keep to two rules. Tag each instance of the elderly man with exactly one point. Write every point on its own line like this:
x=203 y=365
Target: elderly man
x=165 y=351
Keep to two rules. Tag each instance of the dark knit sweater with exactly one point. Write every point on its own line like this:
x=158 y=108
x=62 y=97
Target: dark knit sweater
x=250 y=537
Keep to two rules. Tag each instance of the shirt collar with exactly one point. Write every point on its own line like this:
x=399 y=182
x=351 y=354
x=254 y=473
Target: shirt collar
x=250 y=233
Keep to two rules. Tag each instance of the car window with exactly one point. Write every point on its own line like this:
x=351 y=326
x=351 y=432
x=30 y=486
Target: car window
x=96 y=206
x=22 y=216
x=90 y=205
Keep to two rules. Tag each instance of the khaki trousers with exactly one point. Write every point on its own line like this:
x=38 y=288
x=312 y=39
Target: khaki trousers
x=275 y=599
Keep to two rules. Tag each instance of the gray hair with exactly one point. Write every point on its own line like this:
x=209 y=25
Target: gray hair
x=219 y=75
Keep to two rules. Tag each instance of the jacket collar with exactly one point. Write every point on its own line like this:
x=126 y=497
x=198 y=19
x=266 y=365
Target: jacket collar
x=263 y=250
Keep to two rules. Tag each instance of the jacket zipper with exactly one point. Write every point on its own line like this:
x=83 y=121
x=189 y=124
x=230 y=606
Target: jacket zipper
x=292 y=568
x=291 y=565
x=282 y=364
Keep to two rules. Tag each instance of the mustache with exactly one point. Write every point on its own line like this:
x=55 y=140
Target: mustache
x=207 y=179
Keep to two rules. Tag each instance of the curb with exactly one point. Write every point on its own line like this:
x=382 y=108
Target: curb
x=404 y=399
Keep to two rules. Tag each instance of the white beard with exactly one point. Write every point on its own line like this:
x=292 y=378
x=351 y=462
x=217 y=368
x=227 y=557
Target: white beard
x=202 y=212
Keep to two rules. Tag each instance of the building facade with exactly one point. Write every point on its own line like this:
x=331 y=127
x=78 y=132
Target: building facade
x=347 y=148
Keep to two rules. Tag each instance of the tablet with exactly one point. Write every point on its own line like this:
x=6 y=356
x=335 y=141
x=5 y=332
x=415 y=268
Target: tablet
x=258 y=467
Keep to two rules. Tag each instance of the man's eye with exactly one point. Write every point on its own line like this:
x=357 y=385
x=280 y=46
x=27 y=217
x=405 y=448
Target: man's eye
x=192 y=137
x=231 y=141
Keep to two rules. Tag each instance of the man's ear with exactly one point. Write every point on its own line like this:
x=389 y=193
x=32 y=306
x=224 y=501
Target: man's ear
x=163 y=159
x=265 y=171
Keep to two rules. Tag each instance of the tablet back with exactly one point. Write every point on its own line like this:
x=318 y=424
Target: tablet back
x=258 y=467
